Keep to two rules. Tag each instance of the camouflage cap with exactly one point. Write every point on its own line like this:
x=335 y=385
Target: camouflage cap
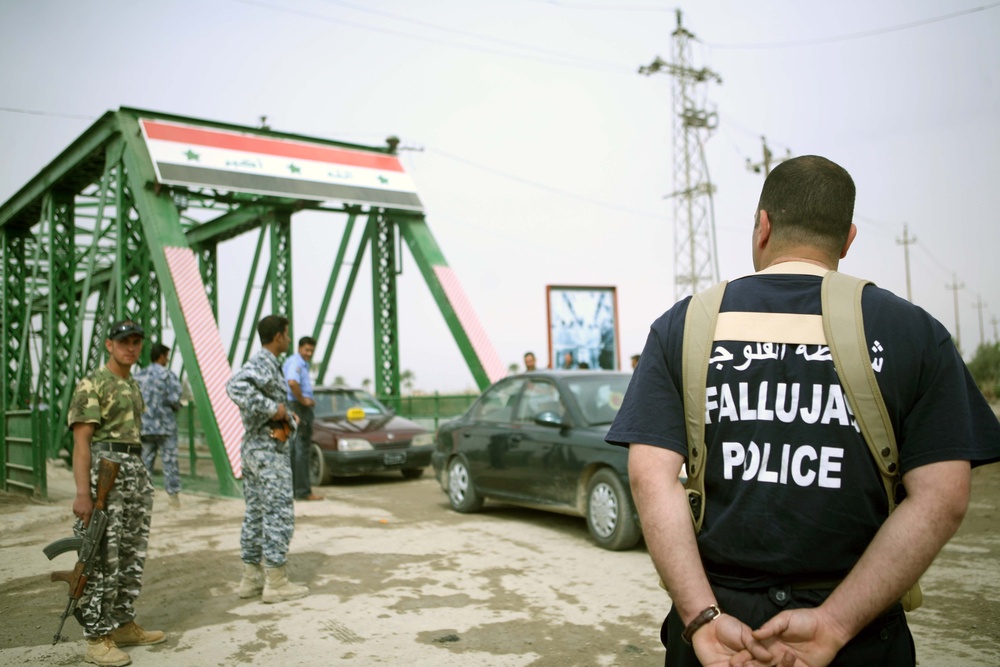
x=123 y=329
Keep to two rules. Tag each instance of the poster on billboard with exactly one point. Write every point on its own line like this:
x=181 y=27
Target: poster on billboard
x=583 y=327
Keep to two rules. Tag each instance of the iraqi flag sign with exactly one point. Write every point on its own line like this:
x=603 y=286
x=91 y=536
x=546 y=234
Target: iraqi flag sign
x=196 y=156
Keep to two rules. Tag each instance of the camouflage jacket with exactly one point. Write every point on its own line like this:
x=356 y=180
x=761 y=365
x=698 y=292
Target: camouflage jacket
x=161 y=391
x=257 y=389
x=113 y=403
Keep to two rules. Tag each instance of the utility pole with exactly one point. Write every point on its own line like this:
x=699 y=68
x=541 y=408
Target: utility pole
x=995 y=322
x=765 y=164
x=695 y=257
x=955 y=286
x=979 y=305
x=905 y=242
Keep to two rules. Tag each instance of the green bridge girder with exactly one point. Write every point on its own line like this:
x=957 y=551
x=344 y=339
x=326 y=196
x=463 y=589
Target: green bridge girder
x=84 y=243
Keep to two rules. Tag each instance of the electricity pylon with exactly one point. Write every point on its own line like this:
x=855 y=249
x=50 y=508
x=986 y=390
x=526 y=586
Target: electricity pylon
x=768 y=160
x=695 y=257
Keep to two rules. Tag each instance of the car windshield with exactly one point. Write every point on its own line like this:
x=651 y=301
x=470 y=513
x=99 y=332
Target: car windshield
x=336 y=403
x=599 y=395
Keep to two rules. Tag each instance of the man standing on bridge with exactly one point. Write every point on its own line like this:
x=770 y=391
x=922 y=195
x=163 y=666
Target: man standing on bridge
x=161 y=391
x=259 y=390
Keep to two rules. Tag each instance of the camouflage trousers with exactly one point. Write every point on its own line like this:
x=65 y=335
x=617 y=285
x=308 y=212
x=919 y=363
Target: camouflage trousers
x=108 y=600
x=167 y=446
x=269 y=520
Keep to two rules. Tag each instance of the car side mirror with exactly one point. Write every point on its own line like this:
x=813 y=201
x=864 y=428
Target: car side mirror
x=549 y=418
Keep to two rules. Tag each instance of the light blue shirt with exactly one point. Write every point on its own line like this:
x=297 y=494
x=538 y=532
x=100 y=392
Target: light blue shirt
x=296 y=368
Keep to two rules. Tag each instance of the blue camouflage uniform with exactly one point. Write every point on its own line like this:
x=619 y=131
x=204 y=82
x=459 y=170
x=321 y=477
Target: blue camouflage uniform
x=114 y=404
x=257 y=389
x=161 y=390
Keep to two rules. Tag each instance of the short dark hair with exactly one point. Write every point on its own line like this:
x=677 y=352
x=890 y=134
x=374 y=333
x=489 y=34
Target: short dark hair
x=158 y=351
x=307 y=340
x=810 y=201
x=527 y=353
x=271 y=326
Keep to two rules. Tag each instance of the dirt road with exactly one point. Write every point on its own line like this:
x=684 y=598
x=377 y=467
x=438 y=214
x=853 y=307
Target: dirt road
x=396 y=577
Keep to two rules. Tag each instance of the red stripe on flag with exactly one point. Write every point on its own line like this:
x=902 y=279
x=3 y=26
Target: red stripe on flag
x=481 y=343
x=208 y=350
x=185 y=134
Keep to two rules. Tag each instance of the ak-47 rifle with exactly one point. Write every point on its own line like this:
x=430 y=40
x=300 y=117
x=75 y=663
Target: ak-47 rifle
x=87 y=547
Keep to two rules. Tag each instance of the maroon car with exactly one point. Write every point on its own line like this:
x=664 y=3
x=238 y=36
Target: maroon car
x=355 y=434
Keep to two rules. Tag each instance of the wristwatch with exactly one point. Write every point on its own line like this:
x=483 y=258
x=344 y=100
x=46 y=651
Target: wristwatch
x=702 y=619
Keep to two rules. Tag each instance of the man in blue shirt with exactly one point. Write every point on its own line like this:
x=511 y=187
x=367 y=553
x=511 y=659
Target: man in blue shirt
x=300 y=396
x=161 y=391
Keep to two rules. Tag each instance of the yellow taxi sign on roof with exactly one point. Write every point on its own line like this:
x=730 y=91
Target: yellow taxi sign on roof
x=355 y=414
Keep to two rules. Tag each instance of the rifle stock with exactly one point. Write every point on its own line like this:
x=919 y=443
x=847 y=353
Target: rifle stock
x=87 y=547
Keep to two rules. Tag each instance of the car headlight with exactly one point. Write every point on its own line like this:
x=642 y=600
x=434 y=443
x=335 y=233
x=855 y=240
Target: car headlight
x=422 y=440
x=353 y=444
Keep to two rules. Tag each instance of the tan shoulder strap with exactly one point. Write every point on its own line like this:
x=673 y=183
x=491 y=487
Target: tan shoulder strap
x=845 y=334
x=699 y=333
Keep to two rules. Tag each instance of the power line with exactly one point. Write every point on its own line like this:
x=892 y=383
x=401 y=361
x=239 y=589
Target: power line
x=546 y=188
x=856 y=35
x=54 y=114
x=613 y=8
x=567 y=59
x=464 y=33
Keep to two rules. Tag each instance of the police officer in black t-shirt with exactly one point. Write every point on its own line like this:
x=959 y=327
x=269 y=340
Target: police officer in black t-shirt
x=798 y=561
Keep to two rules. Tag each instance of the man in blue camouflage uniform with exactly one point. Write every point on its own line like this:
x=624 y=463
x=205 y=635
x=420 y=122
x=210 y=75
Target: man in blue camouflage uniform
x=105 y=416
x=161 y=391
x=258 y=389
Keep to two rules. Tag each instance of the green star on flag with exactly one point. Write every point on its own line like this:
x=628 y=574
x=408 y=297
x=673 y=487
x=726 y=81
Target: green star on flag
x=191 y=155
x=382 y=179
x=295 y=170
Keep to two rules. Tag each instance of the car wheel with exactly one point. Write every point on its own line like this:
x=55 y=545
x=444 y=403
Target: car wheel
x=319 y=471
x=610 y=515
x=412 y=473
x=462 y=492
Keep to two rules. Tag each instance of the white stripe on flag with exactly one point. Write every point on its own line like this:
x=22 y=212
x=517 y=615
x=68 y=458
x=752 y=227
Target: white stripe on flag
x=208 y=350
x=481 y=343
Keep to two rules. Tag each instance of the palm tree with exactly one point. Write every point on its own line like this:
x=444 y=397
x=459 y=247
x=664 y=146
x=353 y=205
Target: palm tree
x=407 y=378
x=366 y=384
x=339 y=380
x=512 y=369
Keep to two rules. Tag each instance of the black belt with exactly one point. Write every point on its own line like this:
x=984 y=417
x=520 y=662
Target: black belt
x=121 y=447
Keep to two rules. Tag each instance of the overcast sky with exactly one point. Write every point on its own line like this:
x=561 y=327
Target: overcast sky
x=544 y=156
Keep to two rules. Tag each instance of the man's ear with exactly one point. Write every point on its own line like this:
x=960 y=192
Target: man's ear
x=763 y=229
x=851 y=235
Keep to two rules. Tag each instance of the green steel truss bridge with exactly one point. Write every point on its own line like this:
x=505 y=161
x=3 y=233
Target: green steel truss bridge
x=126 y=223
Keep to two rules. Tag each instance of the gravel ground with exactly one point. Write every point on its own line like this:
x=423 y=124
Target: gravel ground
x=397 y=576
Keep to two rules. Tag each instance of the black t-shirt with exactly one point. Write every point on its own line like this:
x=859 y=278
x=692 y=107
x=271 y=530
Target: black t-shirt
x=792 y=490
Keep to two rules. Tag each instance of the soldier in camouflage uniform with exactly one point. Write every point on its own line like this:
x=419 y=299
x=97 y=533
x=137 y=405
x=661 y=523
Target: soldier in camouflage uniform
x=161 y=391
x=259 y=390
x=105 y=416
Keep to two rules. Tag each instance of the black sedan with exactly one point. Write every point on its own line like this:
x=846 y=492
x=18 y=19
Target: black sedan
x=537 y=439
x=355 y=434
